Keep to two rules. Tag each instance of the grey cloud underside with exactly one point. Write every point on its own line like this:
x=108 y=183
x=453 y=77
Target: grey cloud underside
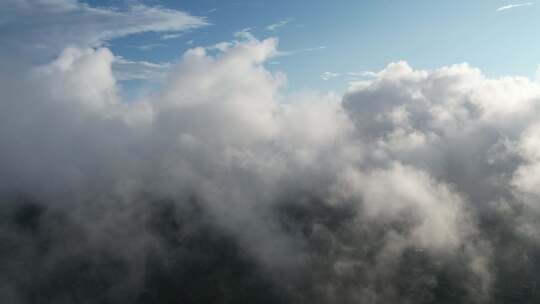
x=414 y=187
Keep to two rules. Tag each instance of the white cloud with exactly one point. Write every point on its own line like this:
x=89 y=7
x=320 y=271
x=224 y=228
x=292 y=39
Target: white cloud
x=143 y=70
x=329 y=75
x=171 y=36
x=220 y=130
x=277 y=25
x=148 y=47
x=411 y=166
x=362 y=74
x=450 y=107
x=245 y=33
x=353 y=77
x=511 y=6
x=299 y=51
x=50 y=25
x=392 y=192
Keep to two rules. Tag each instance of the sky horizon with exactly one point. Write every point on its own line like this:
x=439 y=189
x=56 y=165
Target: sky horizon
x=325 y=46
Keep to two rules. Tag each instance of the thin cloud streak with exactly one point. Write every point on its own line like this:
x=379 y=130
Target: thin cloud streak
x=353 y=76
x=148 y=47
x=171 y=36
x=294 y=52
x=125 y=69
x=50 y=25
x=329 y=75
x=277 y=25
x=511 y=6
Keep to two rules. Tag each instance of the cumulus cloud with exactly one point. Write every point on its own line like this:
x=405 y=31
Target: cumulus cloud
x=415 y=186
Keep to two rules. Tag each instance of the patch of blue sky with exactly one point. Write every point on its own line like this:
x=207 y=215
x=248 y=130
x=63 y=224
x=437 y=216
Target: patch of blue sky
x=348 y=36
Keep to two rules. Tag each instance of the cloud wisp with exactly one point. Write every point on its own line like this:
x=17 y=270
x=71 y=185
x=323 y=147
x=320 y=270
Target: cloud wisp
x=139 y=70
x=45 y=27
x=151 y=46
x=352 y=76
x=279 y=24
x=171 y=36
x=512 y=6
x=299 y=51
x=329 y=75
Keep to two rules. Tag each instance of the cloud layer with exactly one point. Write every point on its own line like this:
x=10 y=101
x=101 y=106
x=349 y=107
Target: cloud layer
x=414 y=187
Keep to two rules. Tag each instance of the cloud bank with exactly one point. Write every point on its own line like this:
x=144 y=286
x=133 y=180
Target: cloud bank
x=414 y=187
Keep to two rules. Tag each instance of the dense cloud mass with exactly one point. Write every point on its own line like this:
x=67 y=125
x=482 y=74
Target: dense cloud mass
x=414 y=187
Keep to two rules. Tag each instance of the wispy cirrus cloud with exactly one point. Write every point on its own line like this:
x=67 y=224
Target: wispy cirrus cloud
x=277 y=25
x=298 y=51
x=49 y=25
x=125 y=69
x=352 y=76
x=171 y=36
x=329 y=75
x=148 y=47
x=515 y=5
x=245 y=33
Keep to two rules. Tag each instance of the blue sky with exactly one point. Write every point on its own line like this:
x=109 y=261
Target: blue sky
x=352 y=36
x=336 y=38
